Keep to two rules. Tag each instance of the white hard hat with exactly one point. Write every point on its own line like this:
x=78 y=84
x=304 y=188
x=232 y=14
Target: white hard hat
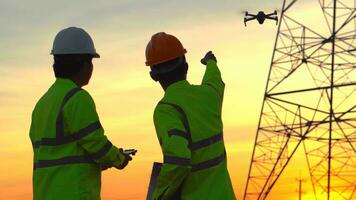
x=73 y=40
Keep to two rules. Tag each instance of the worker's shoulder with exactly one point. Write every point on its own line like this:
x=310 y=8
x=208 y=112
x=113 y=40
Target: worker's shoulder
x=81 y=96
x=164 y=108
x=202 y=90
x=40 y=104
x=82 y=93
x=46 y=99
x=161 y=107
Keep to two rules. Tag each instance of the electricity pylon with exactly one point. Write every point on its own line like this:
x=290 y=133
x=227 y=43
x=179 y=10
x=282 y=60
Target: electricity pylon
x=310 y=103
x=300 y=188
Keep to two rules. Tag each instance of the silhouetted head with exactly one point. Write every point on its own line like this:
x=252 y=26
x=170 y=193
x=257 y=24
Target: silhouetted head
x=77 y=67
x=73 y=50
x=165 y=56
x=170 y=71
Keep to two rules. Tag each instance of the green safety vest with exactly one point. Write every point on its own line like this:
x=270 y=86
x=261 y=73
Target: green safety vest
x=69 y=145
x=190 y=130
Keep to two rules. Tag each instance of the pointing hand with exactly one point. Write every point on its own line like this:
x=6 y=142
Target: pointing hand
x=207 y=57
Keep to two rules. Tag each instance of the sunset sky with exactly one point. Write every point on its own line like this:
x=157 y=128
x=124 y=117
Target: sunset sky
x=124 y=94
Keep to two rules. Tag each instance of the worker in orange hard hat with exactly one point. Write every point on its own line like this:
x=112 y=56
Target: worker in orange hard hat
x=188 y=125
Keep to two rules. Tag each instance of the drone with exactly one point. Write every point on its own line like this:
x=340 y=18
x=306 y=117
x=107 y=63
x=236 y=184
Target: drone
x=261 y=17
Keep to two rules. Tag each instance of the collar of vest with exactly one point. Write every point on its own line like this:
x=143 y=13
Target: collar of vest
x=65 y=82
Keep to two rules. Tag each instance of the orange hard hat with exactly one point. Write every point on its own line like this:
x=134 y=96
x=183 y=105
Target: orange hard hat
x=163 y=47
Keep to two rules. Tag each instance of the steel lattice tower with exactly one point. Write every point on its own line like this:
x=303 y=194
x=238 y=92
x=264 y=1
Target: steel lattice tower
x=310 y=103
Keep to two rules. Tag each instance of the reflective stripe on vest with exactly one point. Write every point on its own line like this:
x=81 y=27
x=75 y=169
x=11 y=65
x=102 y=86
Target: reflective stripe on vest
x=64 y=139
x=206 y=142
x=74 y=159
x=209 y=163
x=68 y=138
x=177 y=132
x=185 y=118
x=196 y=167
x=199 y=144
x=62 y=161
x=59 y=121
x=176 y=160
x=193 y=146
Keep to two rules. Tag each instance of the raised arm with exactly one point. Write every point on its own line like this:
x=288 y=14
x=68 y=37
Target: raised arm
x=212 y=76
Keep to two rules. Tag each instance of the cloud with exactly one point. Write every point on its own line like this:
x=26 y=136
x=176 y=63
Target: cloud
x=7 y=94
x=31 y=25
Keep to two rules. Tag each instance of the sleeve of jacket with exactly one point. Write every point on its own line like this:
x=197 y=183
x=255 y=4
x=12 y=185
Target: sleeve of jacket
x=82 y=120
x=174 y=144
x=212 y=78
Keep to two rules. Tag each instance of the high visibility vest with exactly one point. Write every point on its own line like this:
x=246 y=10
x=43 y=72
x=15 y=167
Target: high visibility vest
x=69 y=145
x=190 y=130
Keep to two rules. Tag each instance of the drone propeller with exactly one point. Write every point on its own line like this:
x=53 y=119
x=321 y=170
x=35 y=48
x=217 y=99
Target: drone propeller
x=276 y=11
x=242 y=12
x=247 y=19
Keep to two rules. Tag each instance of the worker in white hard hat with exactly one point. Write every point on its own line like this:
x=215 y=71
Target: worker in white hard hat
x=70 y=148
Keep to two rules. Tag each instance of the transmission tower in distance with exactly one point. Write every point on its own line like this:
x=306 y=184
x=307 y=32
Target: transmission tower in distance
x=310 y=102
